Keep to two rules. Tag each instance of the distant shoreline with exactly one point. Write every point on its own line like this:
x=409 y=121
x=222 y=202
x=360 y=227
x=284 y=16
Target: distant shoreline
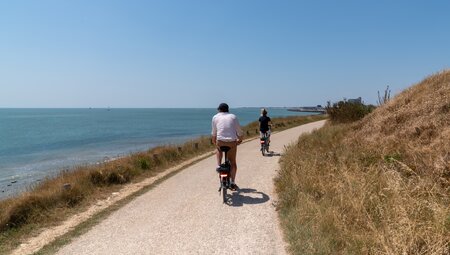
x=307 y=109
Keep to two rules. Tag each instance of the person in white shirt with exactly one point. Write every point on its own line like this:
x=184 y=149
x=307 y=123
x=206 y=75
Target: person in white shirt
x=226 y=131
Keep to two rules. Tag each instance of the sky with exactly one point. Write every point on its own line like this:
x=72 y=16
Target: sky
x=145 y=54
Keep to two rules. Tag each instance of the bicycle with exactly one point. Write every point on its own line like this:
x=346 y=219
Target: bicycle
x=265 y=142
x=224 y=171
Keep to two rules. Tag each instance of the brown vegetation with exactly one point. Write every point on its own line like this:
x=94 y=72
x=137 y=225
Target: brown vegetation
x=377 y=186
x=71 y=191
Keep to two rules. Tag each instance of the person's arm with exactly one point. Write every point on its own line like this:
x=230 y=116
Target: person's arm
x=213 y=132
x=239 y=131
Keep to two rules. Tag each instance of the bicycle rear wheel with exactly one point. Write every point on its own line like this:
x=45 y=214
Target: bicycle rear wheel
x=224 y=194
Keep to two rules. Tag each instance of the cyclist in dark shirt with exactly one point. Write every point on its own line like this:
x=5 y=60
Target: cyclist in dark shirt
x=264 y=123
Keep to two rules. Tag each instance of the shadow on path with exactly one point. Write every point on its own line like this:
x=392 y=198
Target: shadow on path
x=247 y=196
x=273 y=154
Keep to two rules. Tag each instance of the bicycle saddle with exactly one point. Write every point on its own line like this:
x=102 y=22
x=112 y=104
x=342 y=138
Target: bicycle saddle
x=224 y=148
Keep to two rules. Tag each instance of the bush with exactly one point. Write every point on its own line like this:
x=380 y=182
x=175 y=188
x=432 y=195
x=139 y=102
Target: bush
x=97 y=177
x=344 y=112
x=144 y=164
x=72 y=196
x=118 y=177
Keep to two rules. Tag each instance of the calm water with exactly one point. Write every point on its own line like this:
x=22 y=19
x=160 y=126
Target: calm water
x=36 y=143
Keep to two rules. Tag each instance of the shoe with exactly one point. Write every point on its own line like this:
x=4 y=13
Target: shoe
x=234 y=187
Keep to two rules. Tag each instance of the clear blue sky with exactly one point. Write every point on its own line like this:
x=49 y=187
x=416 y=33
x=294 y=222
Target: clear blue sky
x=200 y=53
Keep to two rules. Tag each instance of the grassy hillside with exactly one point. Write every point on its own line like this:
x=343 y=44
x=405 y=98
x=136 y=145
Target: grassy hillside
x=377 y=186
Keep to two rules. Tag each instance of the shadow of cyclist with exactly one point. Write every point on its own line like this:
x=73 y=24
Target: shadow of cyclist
x=247 y=196
x=273 y=154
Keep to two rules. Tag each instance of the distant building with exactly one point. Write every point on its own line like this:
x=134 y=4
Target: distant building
x=355 y=101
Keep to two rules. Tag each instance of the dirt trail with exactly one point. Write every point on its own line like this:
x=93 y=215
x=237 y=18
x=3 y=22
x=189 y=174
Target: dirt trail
x=185 y=214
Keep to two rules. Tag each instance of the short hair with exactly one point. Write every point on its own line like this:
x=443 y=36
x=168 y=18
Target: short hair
x=263 y=112
x=223 y=107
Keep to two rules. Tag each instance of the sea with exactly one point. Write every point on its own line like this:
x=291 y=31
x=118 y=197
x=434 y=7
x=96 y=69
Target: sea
x=39 y=143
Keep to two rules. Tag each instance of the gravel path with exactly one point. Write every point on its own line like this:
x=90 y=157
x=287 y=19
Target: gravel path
x=185 y=213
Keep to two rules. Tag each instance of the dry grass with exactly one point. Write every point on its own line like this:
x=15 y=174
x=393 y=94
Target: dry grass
x=378 y=186
x=50 y=203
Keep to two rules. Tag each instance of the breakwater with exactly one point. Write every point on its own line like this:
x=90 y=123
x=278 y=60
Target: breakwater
x=316 y=109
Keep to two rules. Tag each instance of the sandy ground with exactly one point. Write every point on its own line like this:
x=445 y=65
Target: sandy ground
x=185 y=214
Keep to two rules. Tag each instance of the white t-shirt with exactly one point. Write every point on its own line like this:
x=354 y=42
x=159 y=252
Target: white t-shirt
x=225 y=126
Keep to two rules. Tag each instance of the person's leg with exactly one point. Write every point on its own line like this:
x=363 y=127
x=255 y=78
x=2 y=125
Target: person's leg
x=218 y=156
x=232 y=157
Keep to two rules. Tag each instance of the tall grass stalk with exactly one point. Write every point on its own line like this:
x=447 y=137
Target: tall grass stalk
x=385 y=98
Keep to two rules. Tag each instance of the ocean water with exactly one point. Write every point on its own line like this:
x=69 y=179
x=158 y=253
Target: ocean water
x=37 y=143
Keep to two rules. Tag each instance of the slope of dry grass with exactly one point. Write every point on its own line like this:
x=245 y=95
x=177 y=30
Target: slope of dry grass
x=51 y=202
x=378 y=186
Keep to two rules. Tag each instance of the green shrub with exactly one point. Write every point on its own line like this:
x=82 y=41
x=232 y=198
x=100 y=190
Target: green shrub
x=344 y=111
x=144 y=164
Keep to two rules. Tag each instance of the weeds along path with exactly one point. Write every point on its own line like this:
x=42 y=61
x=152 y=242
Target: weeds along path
x=185 y=214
